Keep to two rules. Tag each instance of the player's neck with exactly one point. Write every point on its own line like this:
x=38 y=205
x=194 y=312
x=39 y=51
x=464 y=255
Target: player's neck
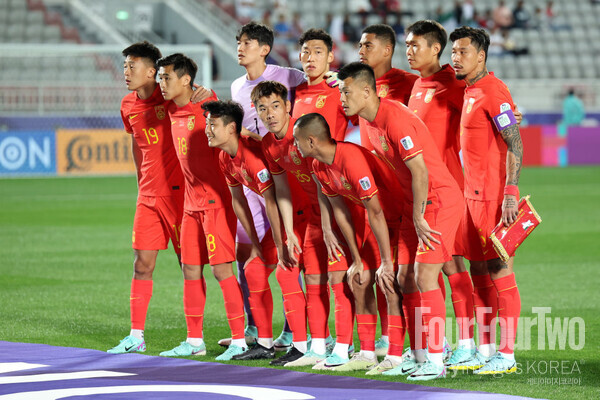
x=369 y=112
x=231 y=147
x=327 y=153
x=184 y=98
x=382 y=69
x=283 y=131
x=476 y=76
x=316 y=80
x=430 y=69
x=255 y=70
x=146 y=91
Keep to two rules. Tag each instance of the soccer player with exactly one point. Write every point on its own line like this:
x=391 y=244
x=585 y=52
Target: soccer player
x=254 y=43
x=270 y=100
x=356 y=180
x=431 y=214
x=159 y=205
x=437 y=98
x=492 y=155
x=209 y=223
x=242 y=161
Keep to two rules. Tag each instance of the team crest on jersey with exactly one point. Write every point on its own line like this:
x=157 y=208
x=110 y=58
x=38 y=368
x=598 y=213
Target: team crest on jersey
x=345 y=183
x=429 y=95
x=295 y=157
x=246 y=176
x=383 y=90
x=470 y=105
x=160 y=112
x=191 y=122
x=384 y=144
x=321 y=101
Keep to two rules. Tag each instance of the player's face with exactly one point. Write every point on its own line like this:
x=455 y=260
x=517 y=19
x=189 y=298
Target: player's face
x=418 y=52
x=351 y=96
x=371 y=51
x=249 y=51
x=216 y=131
x=466 y=58
x=138 y=72
x=274 y=112
x=302 y=143
x=171 y=86
x=315 y=58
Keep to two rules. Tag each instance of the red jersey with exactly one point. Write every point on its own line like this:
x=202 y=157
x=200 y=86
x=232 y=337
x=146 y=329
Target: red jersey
x=357 y=174
x=398 y=135
x=282 y=155
x=396 y=84
x=204 y=189
x=323 y=100
x=484 y=150
x=147 y=120
x=438 y=100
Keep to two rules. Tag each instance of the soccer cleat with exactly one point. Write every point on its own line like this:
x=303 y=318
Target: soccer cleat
x=129 y=344
x=386 y=365
x=381 y=347
x=447 y=351
x=331 y=362
x=292 y=355
x=350 y=350
x=250 y=333
x=257 y=352
x=329 y=344
x=231 y=351
x=466 y=360
x=406 y=367
x=428 y=371
x=283 y=342
x=185 y=349
x=309 y=358
x=358 y=362
x=497 y=364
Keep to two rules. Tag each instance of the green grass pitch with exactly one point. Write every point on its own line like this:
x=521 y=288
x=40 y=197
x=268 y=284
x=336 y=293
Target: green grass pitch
x=66 y=265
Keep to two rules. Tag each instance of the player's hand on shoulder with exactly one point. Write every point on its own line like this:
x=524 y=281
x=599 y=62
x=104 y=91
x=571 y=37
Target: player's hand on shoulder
x=200 y=93
x=518 y=115
x=248 y=133
x=331 y=78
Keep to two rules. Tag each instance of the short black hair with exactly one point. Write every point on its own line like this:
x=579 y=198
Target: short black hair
x=479 y=37
x=257 y=31
x=432 y=31
x=145 y=50
x=267 y=88
x=357 y=70
x=317 y=123
x=316 y=34
x=229 y=111
x=383 y=32
x=182 y=65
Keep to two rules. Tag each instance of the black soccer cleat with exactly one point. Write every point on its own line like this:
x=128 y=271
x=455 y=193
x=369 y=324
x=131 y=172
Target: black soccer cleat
x=292 y=355
x=257 y=352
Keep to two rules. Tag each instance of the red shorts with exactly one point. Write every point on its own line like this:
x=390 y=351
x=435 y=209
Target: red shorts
x=479 y=220
x=369 y=250
x=208 y=236
x=269 y=250
x=157 y=218
x=314 y=252
x=444 y=219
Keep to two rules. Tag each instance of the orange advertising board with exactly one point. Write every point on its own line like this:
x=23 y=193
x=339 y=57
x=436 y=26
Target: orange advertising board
x=93 y=151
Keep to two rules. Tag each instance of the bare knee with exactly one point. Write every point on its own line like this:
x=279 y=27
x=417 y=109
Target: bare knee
x=406 y=280
x=143 y=264
x=222 y=271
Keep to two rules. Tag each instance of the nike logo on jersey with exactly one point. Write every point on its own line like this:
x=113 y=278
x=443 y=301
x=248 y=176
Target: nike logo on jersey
x=133 y=116
x=211 y=256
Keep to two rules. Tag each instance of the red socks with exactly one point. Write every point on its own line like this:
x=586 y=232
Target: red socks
x=234 y=306
x=442 y=285
x=344 y=312
x=317 y=310
x=434 y=320
x=366 y=328
x=485 y=295
x=194 y=298
x=294 y=302
x=397 y=333
x=141 y=292
x=382 y=310
x=462 y=302
x=509 y=309
x=418 y=338
x=261 y=299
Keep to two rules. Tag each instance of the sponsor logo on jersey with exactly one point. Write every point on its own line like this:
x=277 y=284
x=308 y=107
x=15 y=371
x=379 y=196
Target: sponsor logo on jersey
x=191 y=122
x=504 y=107
x=383 y=90
x=263 y=175
x=470 y=105
x=160 y=112
x=407 y=143
x=295 y=157
x=321 y=101
x=429 y=95
x=365 y=183
x=384 y=144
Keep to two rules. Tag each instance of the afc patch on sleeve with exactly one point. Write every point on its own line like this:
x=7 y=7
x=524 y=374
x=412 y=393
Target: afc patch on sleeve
x=504 y=107
x=407 y=143
x=365 y=183
x=263 y=175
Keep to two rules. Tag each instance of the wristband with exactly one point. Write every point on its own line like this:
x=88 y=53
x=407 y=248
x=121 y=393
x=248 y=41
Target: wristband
x=512 y=190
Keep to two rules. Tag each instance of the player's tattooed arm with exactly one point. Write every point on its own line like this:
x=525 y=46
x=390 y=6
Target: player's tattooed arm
x=514 y=156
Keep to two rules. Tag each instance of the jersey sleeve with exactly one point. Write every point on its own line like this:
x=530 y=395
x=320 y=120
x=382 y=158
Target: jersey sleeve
x=359 y=173
x=322 y=178
x=500 y=107
x=229 y=179
x=126 y=123
x=405 y=138
x=267 y=145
